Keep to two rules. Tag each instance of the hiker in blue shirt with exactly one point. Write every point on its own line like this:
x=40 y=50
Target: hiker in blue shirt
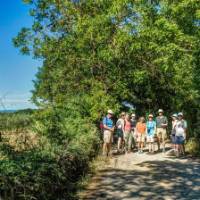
x=108 y=127
x=151 y=131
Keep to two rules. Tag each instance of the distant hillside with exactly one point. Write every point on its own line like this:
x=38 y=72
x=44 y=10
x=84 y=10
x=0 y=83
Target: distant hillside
x=7 y=111
x=29 y=110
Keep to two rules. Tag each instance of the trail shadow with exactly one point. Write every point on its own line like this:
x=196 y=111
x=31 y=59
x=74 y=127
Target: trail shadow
x=164 y=180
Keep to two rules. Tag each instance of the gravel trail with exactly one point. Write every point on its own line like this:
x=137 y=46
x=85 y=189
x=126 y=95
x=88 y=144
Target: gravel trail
x=146 y=177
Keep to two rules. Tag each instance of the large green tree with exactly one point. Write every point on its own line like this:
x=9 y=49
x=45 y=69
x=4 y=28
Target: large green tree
x=103 y=52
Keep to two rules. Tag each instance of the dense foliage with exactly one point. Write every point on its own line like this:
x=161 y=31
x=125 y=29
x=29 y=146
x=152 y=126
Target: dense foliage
x=52 y=167
x=96 y=55
x=106 y=52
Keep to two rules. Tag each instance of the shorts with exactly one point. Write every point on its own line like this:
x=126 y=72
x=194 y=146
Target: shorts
x=150 y=138
x=179 y=140
x=161 y=134
x=107 y=136
x=119 y=133
x=141 y=137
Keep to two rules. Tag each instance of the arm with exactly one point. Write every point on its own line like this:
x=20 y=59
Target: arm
x=154 y=128
x=123 y=125
x=166 y=123
x=105 y=125
x=146 y=132
x=185 y=129
x=110 y=129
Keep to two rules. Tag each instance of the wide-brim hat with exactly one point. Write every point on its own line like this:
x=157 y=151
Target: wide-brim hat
x=160 y=111
x=180 y=114
x=150 y=116
x=175 y=115
x=110 y=112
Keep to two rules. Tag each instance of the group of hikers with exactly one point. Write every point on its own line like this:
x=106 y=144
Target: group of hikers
x=132 y=133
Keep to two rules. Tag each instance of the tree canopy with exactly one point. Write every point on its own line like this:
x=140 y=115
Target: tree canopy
x=98 y=54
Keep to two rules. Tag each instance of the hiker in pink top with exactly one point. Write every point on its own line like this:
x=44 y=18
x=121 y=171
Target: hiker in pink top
x=127 y=134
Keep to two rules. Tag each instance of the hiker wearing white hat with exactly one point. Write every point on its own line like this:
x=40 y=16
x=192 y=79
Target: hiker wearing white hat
x=110 y=112
x=151 y=131
x=181 y=127
x=173 y=131
x=108 y=127
x=120 y=131
x=161 y=132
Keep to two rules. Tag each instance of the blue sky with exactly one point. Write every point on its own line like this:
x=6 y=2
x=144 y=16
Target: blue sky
x=16 y=71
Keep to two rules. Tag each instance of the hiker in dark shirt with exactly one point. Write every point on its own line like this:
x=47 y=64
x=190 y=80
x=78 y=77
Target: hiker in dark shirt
x=161 y=131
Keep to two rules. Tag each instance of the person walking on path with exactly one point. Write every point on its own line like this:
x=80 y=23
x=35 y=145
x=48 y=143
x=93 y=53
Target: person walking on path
x=141 y=134
x=108 y=126
x=151 y=130
x=181 y=127
x=127 y=134
x=120 y=131
x=133 y=130
x=173 y=131
x=161 y=132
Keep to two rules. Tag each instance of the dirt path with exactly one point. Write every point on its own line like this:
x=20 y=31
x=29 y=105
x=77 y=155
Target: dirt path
x=146 y=177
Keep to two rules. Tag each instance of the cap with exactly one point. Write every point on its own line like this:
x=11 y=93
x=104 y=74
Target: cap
x=150 y=115
x=180 y=114
x=160 y=111
x=110 y=112
x=133 y=115
x=175 y=115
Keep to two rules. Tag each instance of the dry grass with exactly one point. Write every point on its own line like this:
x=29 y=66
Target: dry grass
x=20 y=140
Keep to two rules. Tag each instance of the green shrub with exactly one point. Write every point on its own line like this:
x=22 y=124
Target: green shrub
x=52 y=170
x=193 y=146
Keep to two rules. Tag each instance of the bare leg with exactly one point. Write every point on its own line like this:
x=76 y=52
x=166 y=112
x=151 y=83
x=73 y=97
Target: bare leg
x=104 y=148
x=182 y=149
x=178 y=150
x=163 y=144
x=153 y=147
x=142 y=146
x=183 y=145
x=129 y=142
x=149 y=144
x=119 y=143
x=139 y=144
x=109 y=148
x=158 y=143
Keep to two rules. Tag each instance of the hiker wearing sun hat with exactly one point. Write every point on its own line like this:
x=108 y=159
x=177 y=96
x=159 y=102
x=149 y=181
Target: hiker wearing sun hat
x=109 y=128
x=133 y=130
x=161 y=132
x=151 y=130
x=120 y=131
x=181 y=127
x=173 y=131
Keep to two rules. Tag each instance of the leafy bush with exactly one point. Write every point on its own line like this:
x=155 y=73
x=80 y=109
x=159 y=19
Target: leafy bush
x=193 y=146
x=52 y=170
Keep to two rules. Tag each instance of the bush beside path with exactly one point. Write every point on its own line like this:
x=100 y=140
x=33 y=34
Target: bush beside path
x=146 y=177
